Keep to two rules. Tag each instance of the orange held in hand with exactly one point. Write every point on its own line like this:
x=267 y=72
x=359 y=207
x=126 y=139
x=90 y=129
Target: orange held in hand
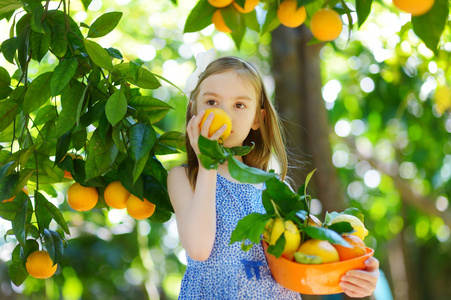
x=290 y=15
x=415 y=7
x=326 y=24
x=249 y=6
x=358 y=248
x=220 y=119
x=139 y=209
x=82 y=198
x=39 y=265
x=220 y=3
x=116 y=195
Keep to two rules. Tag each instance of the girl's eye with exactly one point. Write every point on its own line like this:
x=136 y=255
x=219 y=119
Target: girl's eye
x=211 y=102
x=240 y=105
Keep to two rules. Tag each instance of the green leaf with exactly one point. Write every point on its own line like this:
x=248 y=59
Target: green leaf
x=156 y=193
x=126 y=177
x=211 y=148
x=250 y=20
x=142 y=138
x=363 y=8
x=321 y=233
x=138 y=76
x=148 y=103
x=8 y=210
x=241 y=150
x=173 y=139
x=54 y=245
x=70 y=102
x=429 y=27
x=40 y=43
x=38 y=93
x=116 y=107
x=199 y=17
x=208 y=162
x=98 y=55
x=139 y=167
x=62 y=147
x=101 y=155
x=36 y=23
x=251 y=227
x=45 y=114
x=59 y=42
x=341 y=227
x=235 y=22
x=5 y=79
x=43 y=216
x=104 y=24
x=286 y=200
x=86 y=3
x=278 y=248
x=307 y=180
x=17 y=270
x=20 y=219
x=9 y=48
x=62 y=74
x=303 y=258
x=79 y=136
x=271 y=20
x=160 y=215
x=9 y=5
x=246 y=174
x=8 y=112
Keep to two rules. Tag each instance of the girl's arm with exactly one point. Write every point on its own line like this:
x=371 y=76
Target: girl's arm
x=195 y=210
x=361 y=283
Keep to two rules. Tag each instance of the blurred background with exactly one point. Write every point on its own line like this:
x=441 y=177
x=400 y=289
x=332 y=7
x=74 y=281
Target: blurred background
x=371 y=113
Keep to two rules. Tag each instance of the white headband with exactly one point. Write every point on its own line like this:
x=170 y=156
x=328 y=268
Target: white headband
x=203 y=59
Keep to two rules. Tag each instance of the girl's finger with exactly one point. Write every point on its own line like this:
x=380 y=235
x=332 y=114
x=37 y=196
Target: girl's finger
x=206 y=126
x=218 y=133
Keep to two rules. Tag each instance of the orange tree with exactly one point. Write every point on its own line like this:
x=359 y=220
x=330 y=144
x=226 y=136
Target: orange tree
x=89 y=103
x=429 y=17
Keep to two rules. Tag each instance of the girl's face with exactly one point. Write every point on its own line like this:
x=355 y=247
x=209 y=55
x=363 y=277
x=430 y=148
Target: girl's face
x=237 y=97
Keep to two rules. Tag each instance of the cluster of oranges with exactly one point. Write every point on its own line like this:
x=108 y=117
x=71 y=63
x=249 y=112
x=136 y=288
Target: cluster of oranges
x=315 y=251
x=81 y=198
x=326 y=23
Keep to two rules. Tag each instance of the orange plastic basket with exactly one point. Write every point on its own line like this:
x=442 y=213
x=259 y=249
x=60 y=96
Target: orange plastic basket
x=320 y=279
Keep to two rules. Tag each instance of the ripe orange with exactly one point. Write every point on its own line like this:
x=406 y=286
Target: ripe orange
x=220 y=3
x=358 y=248
x=116 y=195
x=219 y=22
x=326 y=24
x=321 y=249
x=39 y=265
x=138 y=209
x=25 y=189
x=249 y=6
x=220 y=118
x=82 y=198
x=415 y=7
x=290 y=15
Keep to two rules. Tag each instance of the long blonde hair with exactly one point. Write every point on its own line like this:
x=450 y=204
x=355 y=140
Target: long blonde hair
x=269 y=141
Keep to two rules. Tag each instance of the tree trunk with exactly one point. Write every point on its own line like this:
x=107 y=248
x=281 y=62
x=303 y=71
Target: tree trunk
x=296 y=70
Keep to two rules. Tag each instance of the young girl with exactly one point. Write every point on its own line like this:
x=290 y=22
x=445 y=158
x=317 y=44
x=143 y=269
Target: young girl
x=209 y=203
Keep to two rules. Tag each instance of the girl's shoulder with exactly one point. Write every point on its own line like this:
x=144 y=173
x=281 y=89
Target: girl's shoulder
x=177 y=174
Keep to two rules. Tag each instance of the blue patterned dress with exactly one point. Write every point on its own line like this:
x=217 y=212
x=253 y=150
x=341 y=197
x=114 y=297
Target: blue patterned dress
x=230 y=273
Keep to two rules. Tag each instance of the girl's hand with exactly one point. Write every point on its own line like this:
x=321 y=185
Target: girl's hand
x=361 y=283
x=194 y=131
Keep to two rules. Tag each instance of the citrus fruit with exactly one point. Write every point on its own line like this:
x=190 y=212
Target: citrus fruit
x=249 y=6
x=82 y=198
x=116 y=195
x=358 y=248
x=360 y=230
x=219 y=22
x=291 y=233
x=321 y=251
x=25 y=190
x=40 y=265
x=220 y=118
x=415 y=7
x=326 y=24
x=220 y=3
x=290 y=15
x=139 y=209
